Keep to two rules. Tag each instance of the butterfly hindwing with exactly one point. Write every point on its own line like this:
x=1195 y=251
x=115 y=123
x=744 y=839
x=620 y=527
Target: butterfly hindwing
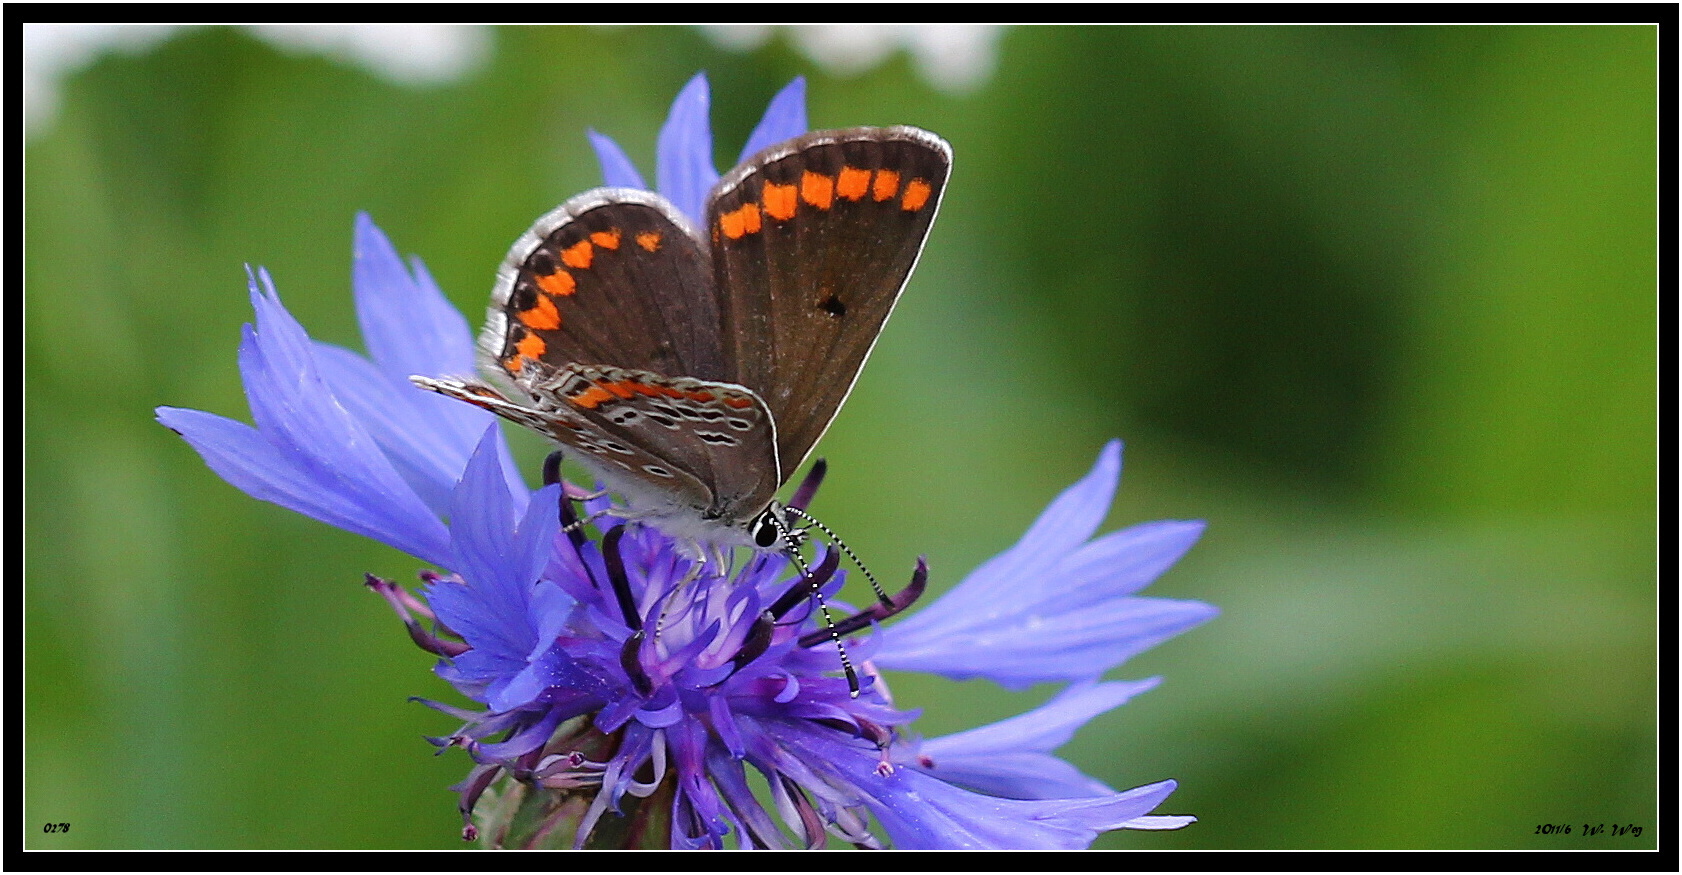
x=812 y=242
x=623 y=463
x=620 y=424
x=706 y=446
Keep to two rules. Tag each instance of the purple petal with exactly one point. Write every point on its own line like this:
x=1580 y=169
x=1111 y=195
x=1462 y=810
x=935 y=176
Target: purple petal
x=684 y=156
x=728 y=776
x=525 y=740
x=617 y=169
x=784 y=118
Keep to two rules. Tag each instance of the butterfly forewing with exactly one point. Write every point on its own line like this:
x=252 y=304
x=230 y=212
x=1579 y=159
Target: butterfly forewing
x=613 y=276
x=812 y=242
x=605 y=315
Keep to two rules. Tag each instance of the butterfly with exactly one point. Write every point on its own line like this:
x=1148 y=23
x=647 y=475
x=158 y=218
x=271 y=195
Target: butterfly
x=693 y=369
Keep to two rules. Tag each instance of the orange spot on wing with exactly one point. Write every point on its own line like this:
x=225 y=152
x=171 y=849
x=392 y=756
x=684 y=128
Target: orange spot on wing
x=542 y=316
x=591 y=397
x=558 y=283
x=916 y=194
x=578 y=255
x=887 y=185
x=702 y=397
x=817 y=189
x=649 y=240
x=531 y=347
x=779 y=200
x=608 y=239
x=852 y=183
x=739 y=403
x=623 y=388
x=742 y=220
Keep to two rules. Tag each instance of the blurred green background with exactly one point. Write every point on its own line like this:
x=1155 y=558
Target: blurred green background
x=1377 y=303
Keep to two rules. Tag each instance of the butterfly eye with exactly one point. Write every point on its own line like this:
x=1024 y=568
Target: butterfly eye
x=766 y=532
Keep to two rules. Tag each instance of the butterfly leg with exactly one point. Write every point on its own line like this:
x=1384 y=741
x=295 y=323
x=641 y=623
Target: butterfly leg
x=689 y=577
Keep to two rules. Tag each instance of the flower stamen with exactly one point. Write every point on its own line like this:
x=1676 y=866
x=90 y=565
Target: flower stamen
x=757 y=642
x=404 y=604
x=617 y=578
x=630 y=659
x=808 y=488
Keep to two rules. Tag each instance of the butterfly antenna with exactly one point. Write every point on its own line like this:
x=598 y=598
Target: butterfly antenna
x=823 y=607
x=881 y=594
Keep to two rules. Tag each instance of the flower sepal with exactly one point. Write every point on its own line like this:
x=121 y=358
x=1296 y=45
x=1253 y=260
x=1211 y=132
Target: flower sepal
x=549 y=800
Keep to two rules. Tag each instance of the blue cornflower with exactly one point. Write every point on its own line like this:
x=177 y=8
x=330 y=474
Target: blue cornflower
x=625 y=690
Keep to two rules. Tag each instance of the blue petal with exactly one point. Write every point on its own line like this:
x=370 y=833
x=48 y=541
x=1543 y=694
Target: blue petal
x=410 y=328
x=684 y=156
x=552 y=668
x=240 y=455
x=407 y=323
x=499 y=556
x=1019 y=775
x=401 y=421
x=316 y=443
x=920 y=812
x=473 y=672
x=1129 y=560
x=1012 y=758
x=1052 y=608
x=923 y=812
x=1160 y=821
x=1045 y=728
x=1064 y=525
x=617 y=169
x=1018 y=651
x=785 y=118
